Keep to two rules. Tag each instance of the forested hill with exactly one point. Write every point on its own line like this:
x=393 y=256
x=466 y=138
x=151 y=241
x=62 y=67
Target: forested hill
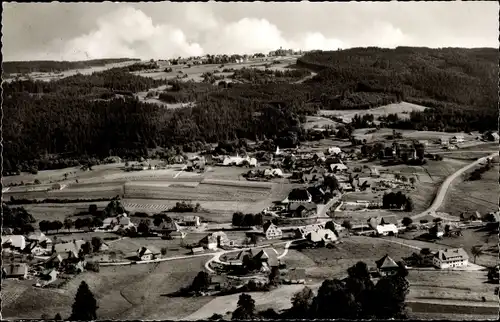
x=96 y=115
x=45 y=66
x=455 y=77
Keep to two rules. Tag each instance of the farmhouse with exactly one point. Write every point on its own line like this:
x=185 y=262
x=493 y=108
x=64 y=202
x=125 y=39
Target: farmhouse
x=119 y=222
x=273 y=173
x=148 y=253
x=334 y=150
x=321 y=235
x=450 y=258
x=302 y=232
x=39 y=237
x=317 y=194
x=54 y=261
x=470 y=216
x=272 y=231
x=36 y=249
x=49 y=275
x=334 y=167
x=299 y=197
x=14 y=241
x=457 y=139
x=18 y=270
x=492 y=136
x=443 y=141
x=436 y=231
x=387 y=266
x=386 y=230
x=191 y=221
x=268 y=258
x=70 y=247
x=209 y=242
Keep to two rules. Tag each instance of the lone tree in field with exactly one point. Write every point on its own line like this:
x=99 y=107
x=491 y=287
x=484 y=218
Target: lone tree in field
x=96 y=243
x=476 y=252
x=245 y=309
x=407 y=221
x=409 y=205
x=85 y=305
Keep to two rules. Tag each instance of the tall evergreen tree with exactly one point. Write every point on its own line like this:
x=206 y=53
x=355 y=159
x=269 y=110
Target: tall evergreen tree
x=85 y=305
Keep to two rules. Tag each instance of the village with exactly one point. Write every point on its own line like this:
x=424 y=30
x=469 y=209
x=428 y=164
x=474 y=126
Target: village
x=332 y=196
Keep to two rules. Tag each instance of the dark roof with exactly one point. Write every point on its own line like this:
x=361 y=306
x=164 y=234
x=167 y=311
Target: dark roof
x=270 y=255
x=389 y=220
x=386 y=263
x=470 y=215
x=316 y=191
x=298 y=194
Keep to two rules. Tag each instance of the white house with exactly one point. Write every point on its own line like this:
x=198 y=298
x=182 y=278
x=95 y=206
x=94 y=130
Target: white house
x=457 y=139
x=115 y=223
x=273 y=173
x=14 y=241
x=450 y=258
x=36 y=249
x=39 y=237
x=385 y=230
x=272 y=231
x=334 y=150
x=209 y=242
x=192 y=221
x=148 y=253
x=321 y=234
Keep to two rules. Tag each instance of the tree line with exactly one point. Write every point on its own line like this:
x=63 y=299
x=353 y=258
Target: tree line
x=47 y=66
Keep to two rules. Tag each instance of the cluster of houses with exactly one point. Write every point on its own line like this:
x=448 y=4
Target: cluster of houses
x=64 y=257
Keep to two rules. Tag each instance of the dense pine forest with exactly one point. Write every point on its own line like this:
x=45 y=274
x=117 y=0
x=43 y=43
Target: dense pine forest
x=97 y=115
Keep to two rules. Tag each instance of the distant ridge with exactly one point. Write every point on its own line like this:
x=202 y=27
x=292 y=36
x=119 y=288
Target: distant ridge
x=45 y=66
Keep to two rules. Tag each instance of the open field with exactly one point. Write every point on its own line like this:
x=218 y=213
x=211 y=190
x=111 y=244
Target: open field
x=480 y=195
x=85 y=71
x=403 y=109
x=195 y=72
x=319 y=122
x=407 y=135
x=124 y=292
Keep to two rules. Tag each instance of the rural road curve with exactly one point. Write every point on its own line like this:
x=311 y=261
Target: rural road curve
x=216 y=257
x=441 y=194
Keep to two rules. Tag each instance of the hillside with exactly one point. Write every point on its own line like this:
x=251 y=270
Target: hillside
x=44 y=120
x=465 y=77
x=45 y=66
x=461 y=84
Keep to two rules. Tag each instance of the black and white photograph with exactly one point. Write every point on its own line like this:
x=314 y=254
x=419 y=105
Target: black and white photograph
x=223 y=161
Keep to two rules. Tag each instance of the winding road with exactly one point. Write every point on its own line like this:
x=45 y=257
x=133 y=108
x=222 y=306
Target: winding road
x=441 y=194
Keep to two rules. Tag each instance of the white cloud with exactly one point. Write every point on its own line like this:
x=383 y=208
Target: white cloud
x=129 y=32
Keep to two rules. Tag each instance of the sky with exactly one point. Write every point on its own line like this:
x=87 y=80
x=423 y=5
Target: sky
x=163 y=30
